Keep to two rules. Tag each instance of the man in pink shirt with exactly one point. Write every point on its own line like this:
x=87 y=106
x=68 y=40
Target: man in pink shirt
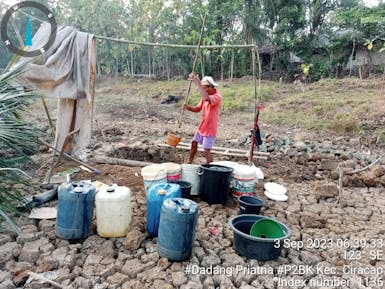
x=210 y=105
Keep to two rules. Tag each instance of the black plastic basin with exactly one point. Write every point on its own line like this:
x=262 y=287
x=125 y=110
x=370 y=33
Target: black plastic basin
x=262 y=249
x=250 y=205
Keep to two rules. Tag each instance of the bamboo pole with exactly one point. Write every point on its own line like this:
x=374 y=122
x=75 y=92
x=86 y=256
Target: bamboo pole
x=123 y=162
x=175 y=45
x=193 y=68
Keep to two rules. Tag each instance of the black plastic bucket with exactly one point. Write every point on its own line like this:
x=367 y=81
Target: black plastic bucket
x=185 y=187
x=214 y=185
x=262 y=249
x=250 y=205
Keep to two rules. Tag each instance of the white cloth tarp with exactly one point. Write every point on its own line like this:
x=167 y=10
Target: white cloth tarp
x=63 y=71
x=66 y=71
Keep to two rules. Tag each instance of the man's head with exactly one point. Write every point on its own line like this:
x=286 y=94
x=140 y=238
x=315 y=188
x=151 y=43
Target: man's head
x=209 y=84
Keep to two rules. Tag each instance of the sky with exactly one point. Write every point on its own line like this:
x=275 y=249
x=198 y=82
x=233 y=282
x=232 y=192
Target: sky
x=371 y=2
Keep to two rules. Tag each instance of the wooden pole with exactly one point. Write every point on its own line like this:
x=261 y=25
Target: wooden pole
x=193 y=68
x=123 y=162
x=53 y=130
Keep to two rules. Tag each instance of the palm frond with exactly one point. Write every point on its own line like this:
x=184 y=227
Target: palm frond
x=18 y=139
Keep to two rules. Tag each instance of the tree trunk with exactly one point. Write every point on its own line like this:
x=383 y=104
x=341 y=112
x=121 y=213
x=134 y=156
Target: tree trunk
x=221 y=67
x=202 y=63
x=232 y=65
x=132 y=64
x=149 y=64
x=351 y=58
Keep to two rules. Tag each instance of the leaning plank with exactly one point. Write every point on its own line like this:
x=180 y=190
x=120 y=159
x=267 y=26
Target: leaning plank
x=124 y=162
x=200 y=149
x=225 y=149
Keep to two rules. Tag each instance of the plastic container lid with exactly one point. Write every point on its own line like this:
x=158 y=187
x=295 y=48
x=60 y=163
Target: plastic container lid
x=274 y=188
x=154 y=172
x=266 y=228
x=172 y=168
x=276 y=197
x=78 y=189
x=229 y=164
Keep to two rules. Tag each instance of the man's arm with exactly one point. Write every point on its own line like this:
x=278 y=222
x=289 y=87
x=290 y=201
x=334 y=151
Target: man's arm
x=192 y=108
x=196 y=80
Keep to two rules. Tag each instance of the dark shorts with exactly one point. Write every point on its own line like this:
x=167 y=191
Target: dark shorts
x=206 y=141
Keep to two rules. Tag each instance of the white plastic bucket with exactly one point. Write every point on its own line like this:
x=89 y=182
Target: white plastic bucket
x=190 y=174
x=244 y=178
x=174 y=171
x=153 y=174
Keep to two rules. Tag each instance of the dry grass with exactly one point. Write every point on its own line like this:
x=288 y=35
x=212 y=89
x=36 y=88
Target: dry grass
x=346 y=106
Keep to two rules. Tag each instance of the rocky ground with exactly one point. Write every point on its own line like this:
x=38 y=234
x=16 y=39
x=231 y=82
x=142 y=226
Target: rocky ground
x=337 y=233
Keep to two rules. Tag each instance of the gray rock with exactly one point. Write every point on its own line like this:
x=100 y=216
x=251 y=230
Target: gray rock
x=210 y=260
x=8 y=284
x=4 y=275
x=327 y=165
x=28 y=237
x=134 y=266
x=81 y=282
x=101 y=286
x=117 y=279
x=150 y=257
x=300 y=146
x=30 y=252
x=208 y=283
x=150 y=247
x=231 y=260
x=108 y=271
x=4 y=239
x=134 y=239
x=133 y=284
x=93 y=260
x=178 y=278
x=9 y=251
x=28 y=228
x=152 y=274
x=163 y=263
x=192 y=285
x=46 y=225
x=326 y=189
x=162 y=284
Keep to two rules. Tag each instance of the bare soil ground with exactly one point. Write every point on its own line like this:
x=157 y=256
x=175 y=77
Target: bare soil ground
x=344 y=236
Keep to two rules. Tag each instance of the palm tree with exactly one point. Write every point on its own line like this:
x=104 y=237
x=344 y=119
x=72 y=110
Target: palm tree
x=18 y=140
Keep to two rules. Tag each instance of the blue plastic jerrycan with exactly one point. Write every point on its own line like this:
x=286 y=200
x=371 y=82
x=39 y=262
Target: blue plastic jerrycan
x=155 y=197
x=178 y=218
x=74 y=210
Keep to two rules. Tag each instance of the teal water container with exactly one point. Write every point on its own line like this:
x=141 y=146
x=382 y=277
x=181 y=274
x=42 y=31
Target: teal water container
x=178 y=218
x=155 y=197
x=74 y=210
